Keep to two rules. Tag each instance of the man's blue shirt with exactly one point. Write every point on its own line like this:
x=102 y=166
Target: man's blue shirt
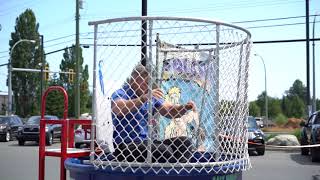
x=134 y=125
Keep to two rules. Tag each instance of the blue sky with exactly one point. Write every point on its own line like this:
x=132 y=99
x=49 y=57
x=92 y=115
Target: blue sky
x=285 y=62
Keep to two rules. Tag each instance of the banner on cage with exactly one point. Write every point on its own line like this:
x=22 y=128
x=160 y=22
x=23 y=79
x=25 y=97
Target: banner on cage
x=186 y=80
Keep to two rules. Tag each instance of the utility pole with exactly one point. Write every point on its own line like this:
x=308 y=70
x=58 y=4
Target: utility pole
x=314 y=104
x=307 y=59
x=41 y=74
x=77 y=82
x=144 y=12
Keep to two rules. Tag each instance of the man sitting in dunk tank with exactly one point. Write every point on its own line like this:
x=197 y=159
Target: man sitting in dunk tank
x=130 y=118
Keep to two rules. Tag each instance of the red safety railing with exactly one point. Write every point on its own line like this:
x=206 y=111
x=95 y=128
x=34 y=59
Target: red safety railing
x=67 y=136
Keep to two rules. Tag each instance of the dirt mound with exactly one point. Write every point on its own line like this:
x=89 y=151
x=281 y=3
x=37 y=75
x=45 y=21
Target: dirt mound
x=293 y=123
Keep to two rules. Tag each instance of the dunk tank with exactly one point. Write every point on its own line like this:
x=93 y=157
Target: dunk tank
x=189 y=59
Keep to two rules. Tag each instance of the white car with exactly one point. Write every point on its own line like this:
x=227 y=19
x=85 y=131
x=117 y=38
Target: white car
x=82 y=135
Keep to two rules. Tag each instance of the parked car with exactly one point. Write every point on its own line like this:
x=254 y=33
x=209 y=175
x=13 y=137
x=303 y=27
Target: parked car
x=256 y=138
x=310 y=134
x=259 y=121
x=82 y=134
x=31 y=130
x=9 y=127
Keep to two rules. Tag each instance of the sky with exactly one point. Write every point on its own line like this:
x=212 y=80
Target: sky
x=285 y=62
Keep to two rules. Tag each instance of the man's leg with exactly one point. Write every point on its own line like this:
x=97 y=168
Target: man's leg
x=138 y=152
x=161 y=153
x=182 y=148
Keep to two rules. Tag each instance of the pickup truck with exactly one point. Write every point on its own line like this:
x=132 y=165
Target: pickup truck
x=310 y=135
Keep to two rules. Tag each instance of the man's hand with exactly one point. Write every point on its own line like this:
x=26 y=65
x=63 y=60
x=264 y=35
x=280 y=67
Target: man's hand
x=191 y=106
x=156 y=93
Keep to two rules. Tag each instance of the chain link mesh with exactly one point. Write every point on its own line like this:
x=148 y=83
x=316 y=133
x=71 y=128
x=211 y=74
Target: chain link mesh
x=178 y=106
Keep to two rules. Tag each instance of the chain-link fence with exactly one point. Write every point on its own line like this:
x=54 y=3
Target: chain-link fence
x=170 y=95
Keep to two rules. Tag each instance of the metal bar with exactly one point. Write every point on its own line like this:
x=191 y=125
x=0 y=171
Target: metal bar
x=94 y=96
x=170 y=165
x=150 y=80
x=208 y=44
x=144 y=12
x=203 y=96
x=168 y=18
x=157 y=58
x=186 y=50
x=216 y=112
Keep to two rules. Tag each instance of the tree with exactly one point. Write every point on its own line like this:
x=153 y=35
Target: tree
x=69 y=62
x=274 y=107
x=298 y=89
x=296 y=107
x=254 y=109
x=294 y=103
x=55 y=100
x=25 y=85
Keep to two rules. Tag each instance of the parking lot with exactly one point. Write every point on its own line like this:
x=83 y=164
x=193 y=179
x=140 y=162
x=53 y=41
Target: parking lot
x=21 y=162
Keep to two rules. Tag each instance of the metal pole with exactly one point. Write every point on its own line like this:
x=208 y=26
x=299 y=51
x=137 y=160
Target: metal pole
x=265 y=87
x=308 y=58
x=144 y=33
x=314 y=106
x=77 y=83
x=10 y=74
x=41 y=73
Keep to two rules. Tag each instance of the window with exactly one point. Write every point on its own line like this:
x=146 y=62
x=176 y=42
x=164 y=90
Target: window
x=311 y=119
x=317 y=119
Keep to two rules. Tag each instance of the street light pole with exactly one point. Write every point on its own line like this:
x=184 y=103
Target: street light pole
x=265 y=87
x=314 y=106
x=10 y=74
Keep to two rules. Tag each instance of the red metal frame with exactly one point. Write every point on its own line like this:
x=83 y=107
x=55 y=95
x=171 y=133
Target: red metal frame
x=67 y=135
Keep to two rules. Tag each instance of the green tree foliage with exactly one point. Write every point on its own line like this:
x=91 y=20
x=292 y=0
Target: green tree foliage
x=69 y=62
x=294 y=107
x=84 y=91
x=254 y=109
x=274 y=107
x=293 y=103
x=297 y=89
x=261 y=102
x=25 y=85
x=281 y=119
x=55 y=99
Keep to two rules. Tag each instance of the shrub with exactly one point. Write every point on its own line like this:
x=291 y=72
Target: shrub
x=297 y=133
x=281 y=119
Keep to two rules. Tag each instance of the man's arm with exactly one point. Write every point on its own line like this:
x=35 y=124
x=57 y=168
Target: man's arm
x=176 y=111
x=122 y=107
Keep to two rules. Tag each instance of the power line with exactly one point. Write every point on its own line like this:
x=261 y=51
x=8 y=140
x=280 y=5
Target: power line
x=58 y=38
x=247 y=21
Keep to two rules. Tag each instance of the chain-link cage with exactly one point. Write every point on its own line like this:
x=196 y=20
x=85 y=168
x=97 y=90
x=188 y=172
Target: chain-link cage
x=170 y=95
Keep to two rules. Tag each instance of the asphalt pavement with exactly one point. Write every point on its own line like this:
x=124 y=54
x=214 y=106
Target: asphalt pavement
x=282 y=165
x=21 y=163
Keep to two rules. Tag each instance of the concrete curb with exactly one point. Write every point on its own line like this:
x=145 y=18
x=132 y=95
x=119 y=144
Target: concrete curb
x=283 y=149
